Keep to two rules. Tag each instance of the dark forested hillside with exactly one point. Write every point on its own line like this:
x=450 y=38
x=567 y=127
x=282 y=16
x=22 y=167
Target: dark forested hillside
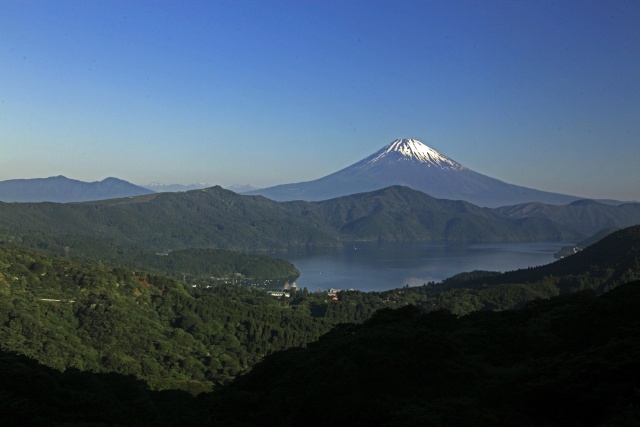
x=613 y=261
x=570 y=361
x=36 y=395
x=570 y=250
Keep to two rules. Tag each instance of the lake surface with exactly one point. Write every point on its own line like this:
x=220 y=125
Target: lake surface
x=384 y=266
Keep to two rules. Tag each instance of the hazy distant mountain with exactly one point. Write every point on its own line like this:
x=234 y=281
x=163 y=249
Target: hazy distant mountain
x=172 y=188
x=62 y=189
x=242 y=188
x=411 y=163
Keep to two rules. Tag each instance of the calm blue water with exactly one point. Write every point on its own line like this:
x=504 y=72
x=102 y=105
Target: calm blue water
x=383 y=266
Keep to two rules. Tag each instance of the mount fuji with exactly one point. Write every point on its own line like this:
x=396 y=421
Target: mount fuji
x=411 y=163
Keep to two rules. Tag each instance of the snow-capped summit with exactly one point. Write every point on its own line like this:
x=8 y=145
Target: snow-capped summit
x=410 y=163
x=412 y=150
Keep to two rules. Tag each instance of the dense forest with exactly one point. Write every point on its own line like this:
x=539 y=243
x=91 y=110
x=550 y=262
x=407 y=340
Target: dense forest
x=571 y=360
x=90 y=324
x=114 y=319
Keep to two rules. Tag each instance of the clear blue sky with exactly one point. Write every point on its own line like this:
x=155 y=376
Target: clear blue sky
x=544 y=94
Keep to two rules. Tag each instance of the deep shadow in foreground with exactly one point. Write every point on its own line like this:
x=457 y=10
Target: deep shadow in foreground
x=571 y=360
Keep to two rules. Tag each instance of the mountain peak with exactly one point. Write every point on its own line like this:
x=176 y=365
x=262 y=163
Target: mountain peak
x=413 y=150
x=411 y=163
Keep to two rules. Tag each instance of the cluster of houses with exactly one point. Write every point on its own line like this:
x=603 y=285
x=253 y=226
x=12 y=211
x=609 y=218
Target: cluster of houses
x=287 y=289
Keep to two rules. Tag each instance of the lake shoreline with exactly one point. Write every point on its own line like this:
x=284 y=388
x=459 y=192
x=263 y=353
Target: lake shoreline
x=380 y=266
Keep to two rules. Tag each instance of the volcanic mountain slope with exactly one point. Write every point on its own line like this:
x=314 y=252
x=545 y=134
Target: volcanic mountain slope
x=411 y=163
x=62 y=189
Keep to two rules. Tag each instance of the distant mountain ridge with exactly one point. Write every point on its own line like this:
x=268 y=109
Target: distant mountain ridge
x=172 y=188
x=411 y=163
x=61 y=189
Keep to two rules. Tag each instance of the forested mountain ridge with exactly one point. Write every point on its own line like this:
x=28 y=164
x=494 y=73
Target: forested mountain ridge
x=612 y=261
x=401 y=214
x=218 y=218
x=616 y=256
x=582 y=216
x=214 y=218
